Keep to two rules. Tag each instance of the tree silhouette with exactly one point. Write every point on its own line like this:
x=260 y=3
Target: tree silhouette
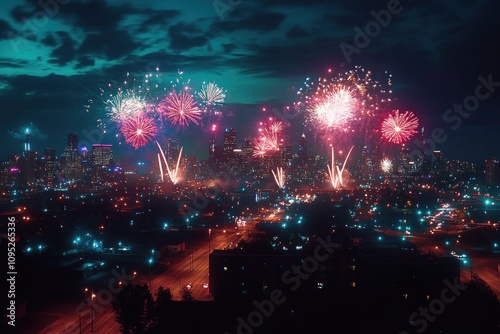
x=133 y=309
x=186 y=294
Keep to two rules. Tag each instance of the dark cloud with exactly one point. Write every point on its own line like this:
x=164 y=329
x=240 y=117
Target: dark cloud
x=258 y=21
x=186 y=36
x=65 y=52
x=108 y=44
x=288 y=3
x=8 y=63
x=5 y=30
x=49 y=40
x=23 y=12
x=297 y=32
x=85 y=61
x=290 y=61
x=95 y=15
x=158 y=18
x=435 y=51
x=228 y=48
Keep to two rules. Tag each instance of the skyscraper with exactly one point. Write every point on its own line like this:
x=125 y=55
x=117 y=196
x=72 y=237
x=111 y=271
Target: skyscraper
x=302 y=149
x=404 y=161
x=437 y=163
x=492 y=171
x=229 y=145
x=247 y=150
x=73 y=141
x=101 y=155
x=368 y=163
x=172 y=150
x=211 y=151
x=50 y=168
x=286 y=155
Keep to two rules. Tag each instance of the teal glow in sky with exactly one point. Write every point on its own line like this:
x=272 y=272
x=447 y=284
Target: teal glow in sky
x=53 y=60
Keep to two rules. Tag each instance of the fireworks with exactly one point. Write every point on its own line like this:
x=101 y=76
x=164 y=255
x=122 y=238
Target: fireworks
x=279 y=177
x=124 y=105
x=172 y=173
x=336 y=108
x=351 y=104
x=181 y=108
x=138 y=130
x=335 y=173
x=386 y=165
x=399 y=127
x=268 y=139
x=211 y=95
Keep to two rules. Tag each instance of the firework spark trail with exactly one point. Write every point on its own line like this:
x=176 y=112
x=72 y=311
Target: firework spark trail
x=122 y=106
x=161 y=168
x=268 y=139
x=279 y=177
x=335 y=109
x=399 y=127
x=386 y=165
x=211 y=95
x=181 y=108
x=335 y=173
x=138 y=130
x=172 y=174
x=348 y=104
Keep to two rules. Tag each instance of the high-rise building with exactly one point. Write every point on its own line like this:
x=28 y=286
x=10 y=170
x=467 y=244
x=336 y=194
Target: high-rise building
x=286 y=155
x=101 y=155
x=302 y=149
x=211 y=151
x=71 y=166
x=27 y=167
x=73 y=141
x=492 y=171
x=172 y=150
x=246 y=153
x=247 y=150
x=229 y=145
x=12 y=174
x=404 y=166
x=368 y=163
x=437 y=163
x=50 y=167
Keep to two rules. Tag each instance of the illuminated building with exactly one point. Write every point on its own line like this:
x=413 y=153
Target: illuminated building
x=302 y=149
x=101 y=155
x=492 y=171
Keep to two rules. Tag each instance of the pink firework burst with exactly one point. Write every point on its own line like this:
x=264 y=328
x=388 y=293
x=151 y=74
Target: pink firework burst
x=268 y=139
x=335 y=109
x=399 y=127
x=181 y=108
x=138 y=130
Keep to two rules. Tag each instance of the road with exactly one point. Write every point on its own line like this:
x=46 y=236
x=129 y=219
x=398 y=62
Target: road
x=191 y=268
x=483 y=265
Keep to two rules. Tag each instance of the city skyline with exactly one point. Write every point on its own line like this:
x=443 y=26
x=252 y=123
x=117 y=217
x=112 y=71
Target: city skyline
x=261 y=53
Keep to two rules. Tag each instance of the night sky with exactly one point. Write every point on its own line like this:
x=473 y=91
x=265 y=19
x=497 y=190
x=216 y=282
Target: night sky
x=261 y=51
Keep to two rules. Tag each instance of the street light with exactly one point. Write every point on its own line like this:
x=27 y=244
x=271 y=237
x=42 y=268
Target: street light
x=92 y=296
x=209 y=232
x=80 y=316
x=150 y=261
x=227 y=241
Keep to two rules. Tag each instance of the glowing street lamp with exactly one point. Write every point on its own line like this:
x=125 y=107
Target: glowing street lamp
x=209 y=233
x=150 y=261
